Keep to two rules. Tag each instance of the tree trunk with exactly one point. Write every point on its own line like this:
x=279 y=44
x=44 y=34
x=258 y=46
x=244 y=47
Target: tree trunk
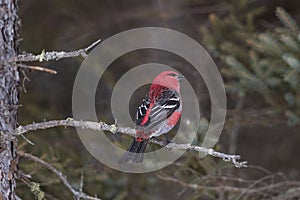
x=9 y=83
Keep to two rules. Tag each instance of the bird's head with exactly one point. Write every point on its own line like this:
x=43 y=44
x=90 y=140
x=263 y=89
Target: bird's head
x=169 y=79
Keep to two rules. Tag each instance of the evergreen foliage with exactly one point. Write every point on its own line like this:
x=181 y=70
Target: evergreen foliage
x=267 y=62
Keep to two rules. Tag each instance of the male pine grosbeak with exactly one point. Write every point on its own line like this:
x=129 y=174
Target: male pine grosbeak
x=157 y=115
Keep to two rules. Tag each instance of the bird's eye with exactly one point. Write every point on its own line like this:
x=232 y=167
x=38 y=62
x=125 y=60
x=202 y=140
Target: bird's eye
x=172 y=74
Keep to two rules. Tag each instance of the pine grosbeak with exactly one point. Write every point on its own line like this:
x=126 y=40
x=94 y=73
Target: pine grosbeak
x=157 y=115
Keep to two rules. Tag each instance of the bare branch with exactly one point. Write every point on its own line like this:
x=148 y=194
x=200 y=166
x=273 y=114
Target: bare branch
x=38 y=68
x=26 y=78
x=101 y=126
x=96 y=126
x=234 y=189
x=54 y=55
x=77 y=194
x=27 y=140
x=81 y=182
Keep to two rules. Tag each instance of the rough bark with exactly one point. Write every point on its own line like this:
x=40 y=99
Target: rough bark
x=9 y=81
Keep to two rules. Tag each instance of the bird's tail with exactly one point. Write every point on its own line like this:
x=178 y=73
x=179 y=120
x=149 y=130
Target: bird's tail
x=135 y=152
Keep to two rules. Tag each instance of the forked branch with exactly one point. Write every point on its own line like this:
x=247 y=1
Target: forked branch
x=78 y=194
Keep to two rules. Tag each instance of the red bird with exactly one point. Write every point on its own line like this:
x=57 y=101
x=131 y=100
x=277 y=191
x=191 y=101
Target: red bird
x=157 y=115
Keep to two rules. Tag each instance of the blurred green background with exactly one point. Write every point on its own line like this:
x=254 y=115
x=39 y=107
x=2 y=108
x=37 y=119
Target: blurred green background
x=254 y=43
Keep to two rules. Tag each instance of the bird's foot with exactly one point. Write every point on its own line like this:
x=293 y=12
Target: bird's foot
x=166 y=141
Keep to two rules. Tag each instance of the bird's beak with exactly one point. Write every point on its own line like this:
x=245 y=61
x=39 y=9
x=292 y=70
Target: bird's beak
x=180 y=77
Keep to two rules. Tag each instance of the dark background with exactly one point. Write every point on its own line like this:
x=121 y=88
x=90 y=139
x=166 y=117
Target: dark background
x=73 y=24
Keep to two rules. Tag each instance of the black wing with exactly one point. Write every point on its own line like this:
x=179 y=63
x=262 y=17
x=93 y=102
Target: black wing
x=142 y=111
x=167 y=102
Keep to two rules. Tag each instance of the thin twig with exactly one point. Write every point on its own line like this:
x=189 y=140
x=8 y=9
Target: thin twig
x=54 y=55
x=25 y=78
x=81 y=182
x=101 y=126
x=38 y=68
x=230 y=188
x=77 y=194
x=27 y=140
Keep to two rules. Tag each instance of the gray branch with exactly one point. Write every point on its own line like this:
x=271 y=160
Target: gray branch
x=101 y=126
x=77 y=194
x=266 y=188
x=54 y=55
